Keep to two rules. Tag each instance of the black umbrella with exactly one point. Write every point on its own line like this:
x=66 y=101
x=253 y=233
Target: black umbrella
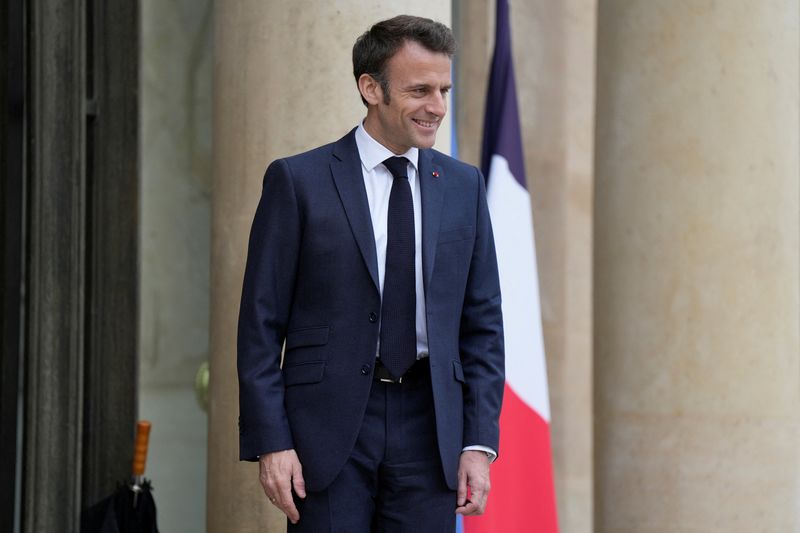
x=131 y=509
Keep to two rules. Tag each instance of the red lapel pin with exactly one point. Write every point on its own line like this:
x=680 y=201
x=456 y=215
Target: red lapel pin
x=435 y=174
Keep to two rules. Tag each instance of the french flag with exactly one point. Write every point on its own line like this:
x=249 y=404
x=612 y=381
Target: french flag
x=522 y=498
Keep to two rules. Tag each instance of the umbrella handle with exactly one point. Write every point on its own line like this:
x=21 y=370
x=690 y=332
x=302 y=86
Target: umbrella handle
x=140 y=448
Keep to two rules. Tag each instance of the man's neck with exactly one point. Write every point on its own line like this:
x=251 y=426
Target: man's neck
x=373 y=130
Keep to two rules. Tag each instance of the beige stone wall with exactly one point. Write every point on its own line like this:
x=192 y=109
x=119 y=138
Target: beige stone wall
x=697 y=339
x=554 y=53
x=283 y=84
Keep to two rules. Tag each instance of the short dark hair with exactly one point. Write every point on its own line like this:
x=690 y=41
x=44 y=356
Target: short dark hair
x=375 y=47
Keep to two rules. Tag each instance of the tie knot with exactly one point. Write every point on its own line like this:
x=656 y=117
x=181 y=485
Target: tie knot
x=398 y=166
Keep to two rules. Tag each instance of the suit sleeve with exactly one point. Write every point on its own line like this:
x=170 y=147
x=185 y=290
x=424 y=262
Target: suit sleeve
x=481 y=336
x=269 y=279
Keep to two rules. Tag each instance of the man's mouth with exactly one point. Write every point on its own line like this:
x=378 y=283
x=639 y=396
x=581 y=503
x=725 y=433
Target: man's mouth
x=426 y=123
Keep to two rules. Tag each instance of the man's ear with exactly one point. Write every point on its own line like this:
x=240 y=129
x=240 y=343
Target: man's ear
x=370 y=89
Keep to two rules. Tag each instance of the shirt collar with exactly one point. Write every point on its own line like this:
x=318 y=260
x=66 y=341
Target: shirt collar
x=373 y=153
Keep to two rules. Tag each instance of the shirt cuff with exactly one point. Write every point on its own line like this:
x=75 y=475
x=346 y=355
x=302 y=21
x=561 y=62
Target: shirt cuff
x=478 y=448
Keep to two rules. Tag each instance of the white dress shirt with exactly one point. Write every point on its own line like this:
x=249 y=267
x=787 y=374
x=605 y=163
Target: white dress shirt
x=378 y=183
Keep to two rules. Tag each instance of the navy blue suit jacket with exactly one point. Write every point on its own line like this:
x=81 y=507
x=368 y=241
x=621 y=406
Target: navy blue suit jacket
x=311 y=281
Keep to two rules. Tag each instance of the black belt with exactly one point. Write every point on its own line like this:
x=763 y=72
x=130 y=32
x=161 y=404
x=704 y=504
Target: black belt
x=418 y=369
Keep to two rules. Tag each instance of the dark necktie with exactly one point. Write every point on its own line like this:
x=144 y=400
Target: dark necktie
x=399 y=303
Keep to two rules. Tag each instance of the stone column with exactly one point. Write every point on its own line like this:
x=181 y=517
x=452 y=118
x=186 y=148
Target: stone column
x=283 y=84
x=697 y=277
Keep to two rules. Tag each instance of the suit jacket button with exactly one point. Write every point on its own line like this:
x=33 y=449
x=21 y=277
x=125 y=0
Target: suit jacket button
x=365 y=370
x=373 y=317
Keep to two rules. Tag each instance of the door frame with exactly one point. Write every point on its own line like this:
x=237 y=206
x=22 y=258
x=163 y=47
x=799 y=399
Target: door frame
x=70 y=273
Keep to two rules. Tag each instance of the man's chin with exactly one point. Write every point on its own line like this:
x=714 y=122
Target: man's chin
x=426 y=142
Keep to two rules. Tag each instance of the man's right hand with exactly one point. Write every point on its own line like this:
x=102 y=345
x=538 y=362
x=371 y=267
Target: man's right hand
x=279 y=472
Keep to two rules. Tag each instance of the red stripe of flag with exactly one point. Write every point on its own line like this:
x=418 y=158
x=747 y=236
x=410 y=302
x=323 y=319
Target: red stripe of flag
x=522 y=499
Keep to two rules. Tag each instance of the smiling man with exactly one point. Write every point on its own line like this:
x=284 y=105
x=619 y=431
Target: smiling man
x=370 y=347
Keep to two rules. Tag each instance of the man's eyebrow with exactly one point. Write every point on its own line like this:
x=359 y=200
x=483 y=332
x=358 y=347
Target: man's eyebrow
x=415 y=86
x=412 y=86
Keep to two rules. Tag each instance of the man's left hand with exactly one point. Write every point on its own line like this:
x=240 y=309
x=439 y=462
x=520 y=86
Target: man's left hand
x=473 y=473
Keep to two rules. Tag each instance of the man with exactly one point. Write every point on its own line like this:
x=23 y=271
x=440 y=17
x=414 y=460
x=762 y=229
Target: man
x=371 y=262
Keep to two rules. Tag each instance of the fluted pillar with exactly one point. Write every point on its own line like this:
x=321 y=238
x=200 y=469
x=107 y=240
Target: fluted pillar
x=283 y=84
x=697 y=277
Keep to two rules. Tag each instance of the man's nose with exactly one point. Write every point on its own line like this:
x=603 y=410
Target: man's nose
x=437 y=104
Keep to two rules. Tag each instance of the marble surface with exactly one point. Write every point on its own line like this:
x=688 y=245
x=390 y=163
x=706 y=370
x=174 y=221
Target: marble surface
x=176 y=189
x=175 y=234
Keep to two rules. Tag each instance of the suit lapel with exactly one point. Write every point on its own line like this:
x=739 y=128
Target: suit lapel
x=349 y=180
x=432 y=187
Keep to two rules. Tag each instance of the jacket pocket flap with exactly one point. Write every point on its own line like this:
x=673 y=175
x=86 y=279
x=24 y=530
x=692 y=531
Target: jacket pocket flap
x=315 y=336
x=310 y=372
x=456 y=234
x=458 y=371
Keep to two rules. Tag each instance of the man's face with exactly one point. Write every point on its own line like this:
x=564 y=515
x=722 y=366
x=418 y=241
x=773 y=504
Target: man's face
x=419 y=81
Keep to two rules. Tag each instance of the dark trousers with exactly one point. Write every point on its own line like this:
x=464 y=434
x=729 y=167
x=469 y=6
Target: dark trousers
x=393 y=480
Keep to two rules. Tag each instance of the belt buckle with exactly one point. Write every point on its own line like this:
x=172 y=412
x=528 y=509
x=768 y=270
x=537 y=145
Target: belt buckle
x=384 y=376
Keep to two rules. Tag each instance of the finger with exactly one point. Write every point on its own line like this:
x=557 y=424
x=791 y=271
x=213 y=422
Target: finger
x=274 y=482
x=479 y=496
x=297 y=480
x=470 y=509
x=270 y=489
x=462 y=489
x=286 y=504
x=283 y=495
